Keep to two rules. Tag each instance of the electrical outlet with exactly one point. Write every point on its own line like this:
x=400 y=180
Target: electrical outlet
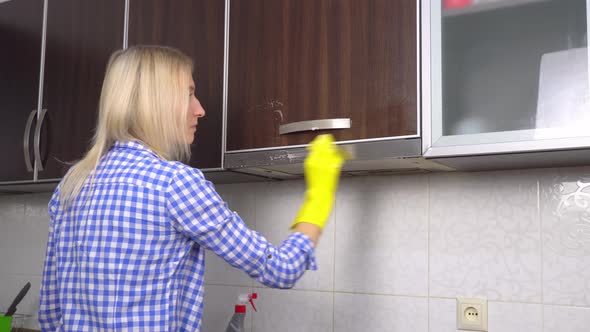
x=472 y=314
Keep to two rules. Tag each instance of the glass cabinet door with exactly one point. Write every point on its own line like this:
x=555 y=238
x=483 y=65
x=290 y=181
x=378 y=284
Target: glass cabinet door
x=503 y=76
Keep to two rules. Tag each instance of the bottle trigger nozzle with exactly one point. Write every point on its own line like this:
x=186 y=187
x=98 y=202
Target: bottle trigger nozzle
x=251 y=298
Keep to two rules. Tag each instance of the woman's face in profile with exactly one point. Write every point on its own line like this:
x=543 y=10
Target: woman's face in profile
x=194 y=112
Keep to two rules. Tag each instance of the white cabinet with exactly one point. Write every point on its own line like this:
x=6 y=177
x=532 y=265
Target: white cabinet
x=505 y=77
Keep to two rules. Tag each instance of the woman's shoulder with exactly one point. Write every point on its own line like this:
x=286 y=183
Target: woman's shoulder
x=138 y=156
x=185 y=171
x=162 y=174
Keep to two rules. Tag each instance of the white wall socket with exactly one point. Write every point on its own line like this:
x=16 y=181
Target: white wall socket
x=472 y=314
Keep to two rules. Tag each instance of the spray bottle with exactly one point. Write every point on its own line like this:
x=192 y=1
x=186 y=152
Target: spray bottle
x=236 y=324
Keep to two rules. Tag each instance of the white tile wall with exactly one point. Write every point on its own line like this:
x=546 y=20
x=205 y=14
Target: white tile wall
x=277 y=205
x=380 y=313
x=24 y=224
x=293 y=311
x=485 y=236
x=566 y=319
x=515 y=317
x=397 y=249
x=382 y=236
x=565 y=218
x=442 y=315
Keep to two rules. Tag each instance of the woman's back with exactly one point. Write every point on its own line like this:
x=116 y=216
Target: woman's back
x=119 y=256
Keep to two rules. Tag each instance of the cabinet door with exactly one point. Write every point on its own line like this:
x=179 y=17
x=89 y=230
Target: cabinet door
x=21 y=26
x=196 y=27
x=507 y=76
x=303 y=60
x=81 y=35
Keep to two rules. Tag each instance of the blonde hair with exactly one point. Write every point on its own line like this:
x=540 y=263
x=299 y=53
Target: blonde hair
x=144 y=92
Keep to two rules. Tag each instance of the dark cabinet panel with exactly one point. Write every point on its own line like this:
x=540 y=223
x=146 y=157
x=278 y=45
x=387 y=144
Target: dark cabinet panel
x=302 y=60
x=21 y=27
x=81 y=36
x=196 y=27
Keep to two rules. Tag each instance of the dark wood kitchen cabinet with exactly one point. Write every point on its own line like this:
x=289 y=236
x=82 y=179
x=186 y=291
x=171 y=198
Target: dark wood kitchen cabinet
x=21 y=27
x=302 y=60
x=196 y=27
x=80 y=37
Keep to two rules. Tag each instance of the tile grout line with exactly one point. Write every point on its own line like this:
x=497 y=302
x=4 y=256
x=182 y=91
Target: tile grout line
x=399 y=295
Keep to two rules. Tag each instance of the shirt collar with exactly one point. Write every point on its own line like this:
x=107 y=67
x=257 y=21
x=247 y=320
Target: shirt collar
x=134 y=145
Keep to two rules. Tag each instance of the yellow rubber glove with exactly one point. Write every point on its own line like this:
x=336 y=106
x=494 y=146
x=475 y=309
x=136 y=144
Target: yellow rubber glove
x=322 y=170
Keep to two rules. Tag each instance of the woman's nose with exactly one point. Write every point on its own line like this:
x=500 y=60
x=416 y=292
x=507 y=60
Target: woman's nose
x=200 y=111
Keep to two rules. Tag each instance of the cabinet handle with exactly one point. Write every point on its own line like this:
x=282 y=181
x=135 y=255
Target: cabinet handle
x=311 y=125
x=26 y=140
x=38 y=139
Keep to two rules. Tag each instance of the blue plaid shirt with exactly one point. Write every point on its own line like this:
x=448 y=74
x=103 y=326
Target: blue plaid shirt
x=130 y=252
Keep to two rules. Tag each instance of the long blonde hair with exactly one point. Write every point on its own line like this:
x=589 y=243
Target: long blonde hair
x=144 y=92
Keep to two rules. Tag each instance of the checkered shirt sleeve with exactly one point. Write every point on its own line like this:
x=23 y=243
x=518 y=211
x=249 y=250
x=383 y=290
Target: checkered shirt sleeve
x=198 y=212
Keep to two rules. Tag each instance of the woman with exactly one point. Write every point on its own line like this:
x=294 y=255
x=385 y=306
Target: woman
x=130 y=223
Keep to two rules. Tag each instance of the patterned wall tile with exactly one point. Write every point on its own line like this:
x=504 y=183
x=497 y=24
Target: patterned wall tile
x=565 y=218
x=36 y=220
x=485 y=236
x=36 y=205
x=293 y=311
x=11 y=219
x=276 y=208
x=382 y=235
x=379 y=313
x=566 y=319
x=515 y=317
x=443 y=315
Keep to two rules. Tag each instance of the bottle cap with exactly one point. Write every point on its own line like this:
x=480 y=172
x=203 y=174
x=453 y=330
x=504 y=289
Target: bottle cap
x=242 y=299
